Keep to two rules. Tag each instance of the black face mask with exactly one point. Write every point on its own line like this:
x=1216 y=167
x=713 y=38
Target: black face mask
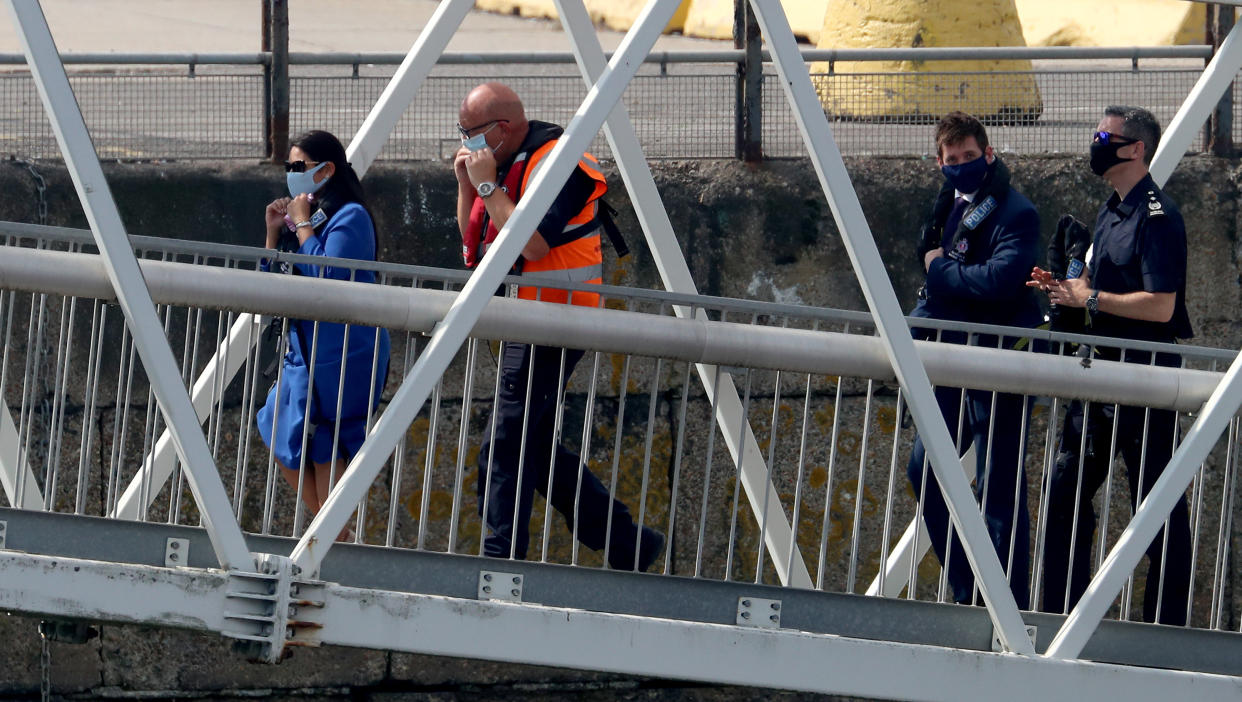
x=1104 y=156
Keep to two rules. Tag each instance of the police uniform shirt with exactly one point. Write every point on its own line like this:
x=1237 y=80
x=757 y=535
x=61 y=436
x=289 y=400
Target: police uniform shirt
x=1140 y=244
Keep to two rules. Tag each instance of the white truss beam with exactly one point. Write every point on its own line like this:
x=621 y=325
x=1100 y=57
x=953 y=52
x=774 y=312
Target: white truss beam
x=132 y=295
x=882 y=300
x=671 y=263
x=1203 y=98
x=1151 y=515
x=361 y=153
x=482 y=285
x=10 y=460
x=529 y=633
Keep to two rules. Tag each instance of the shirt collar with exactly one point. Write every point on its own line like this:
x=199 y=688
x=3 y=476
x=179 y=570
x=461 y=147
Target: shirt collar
x=1126 y=207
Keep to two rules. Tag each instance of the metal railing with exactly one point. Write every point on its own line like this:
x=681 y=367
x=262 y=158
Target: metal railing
x=684 y=104
x=817 y=394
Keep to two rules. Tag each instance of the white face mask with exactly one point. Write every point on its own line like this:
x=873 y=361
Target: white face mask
x=478 y=142
x=304 y=183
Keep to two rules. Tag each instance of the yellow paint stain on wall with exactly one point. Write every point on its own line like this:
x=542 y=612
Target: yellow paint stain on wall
x=713 y=19
x=524 y=8
x=861 y=90
x=620 y=14
x=1112 y=22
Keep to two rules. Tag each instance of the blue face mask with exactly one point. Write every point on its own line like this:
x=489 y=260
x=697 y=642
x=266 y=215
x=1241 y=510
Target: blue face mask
x=304 y=183
x=966 y=177
x=478 y=142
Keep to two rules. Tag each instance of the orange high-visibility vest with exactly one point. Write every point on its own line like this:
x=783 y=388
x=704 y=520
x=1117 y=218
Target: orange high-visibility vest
x=578 y=260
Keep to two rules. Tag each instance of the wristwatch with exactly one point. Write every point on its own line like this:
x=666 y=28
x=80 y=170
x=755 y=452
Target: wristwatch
x=1093 y=302
x=486 y=188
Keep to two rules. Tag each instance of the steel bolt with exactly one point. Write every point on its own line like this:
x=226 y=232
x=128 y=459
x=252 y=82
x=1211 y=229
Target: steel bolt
x=517 y=580
x=776 y=606
x=173 y=557
x=745 y=615
x=775 y=619
x=174 y=545
x=487 y=589
x=515 y=592
x=487 y=577
x=745 y=603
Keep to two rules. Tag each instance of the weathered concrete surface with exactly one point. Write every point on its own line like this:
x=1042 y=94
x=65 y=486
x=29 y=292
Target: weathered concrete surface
x=762 y=233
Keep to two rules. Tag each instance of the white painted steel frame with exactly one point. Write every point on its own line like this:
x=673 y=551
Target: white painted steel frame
x=1216 y=78
x=10 y=459
x=675 y=274
x=891 y=324
x=697 y=339
x=140 y=315
x=530 y=633
x=456 y=325
x=361 y=153
x=1151 y=516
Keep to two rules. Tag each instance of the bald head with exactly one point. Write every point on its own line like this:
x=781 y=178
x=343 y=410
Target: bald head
x=495 y=102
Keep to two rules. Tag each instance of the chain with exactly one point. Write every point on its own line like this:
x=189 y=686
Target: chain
x=40 y=189
x=45 y=664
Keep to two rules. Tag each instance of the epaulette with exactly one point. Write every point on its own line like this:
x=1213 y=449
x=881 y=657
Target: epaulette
x=1154 y=207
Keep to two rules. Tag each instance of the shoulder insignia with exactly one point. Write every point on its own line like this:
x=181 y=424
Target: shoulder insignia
x=979 y=213
x=318 y=218
x=1154 y=207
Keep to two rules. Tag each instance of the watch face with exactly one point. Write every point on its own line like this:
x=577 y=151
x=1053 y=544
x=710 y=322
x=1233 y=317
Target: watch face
x=486 y=189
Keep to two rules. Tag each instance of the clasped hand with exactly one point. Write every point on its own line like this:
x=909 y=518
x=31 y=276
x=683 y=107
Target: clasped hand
x=474 y=167
x=1072 y=292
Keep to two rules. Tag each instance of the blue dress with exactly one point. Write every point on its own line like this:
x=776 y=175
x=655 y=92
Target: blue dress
x=349 y=233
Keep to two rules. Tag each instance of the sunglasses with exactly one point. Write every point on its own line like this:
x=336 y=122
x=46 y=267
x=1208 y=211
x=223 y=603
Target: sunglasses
x=1110 y=138
x=297 y=166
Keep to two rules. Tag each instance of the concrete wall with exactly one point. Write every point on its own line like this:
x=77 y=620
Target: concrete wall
x=756 y=232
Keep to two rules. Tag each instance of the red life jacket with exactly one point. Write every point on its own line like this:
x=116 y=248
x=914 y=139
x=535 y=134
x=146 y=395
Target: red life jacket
x=578 y=260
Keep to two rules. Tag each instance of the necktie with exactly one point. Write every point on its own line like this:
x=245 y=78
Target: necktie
x=955 y=219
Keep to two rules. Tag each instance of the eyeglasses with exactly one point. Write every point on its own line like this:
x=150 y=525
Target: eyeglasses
x=467 y=132
x=298 y=166
x=1110 y=138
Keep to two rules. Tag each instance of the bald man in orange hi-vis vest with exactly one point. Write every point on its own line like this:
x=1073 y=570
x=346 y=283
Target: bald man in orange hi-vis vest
x=501 y=151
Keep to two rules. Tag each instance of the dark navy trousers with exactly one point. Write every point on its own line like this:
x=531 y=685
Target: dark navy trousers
x=510 y=495
x=1000 y=484
x=1168 y=576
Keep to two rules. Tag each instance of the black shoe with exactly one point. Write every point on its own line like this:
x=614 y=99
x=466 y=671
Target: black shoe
x=651 y=546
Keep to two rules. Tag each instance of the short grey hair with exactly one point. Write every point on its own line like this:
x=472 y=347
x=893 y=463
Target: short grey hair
x=1138 y=124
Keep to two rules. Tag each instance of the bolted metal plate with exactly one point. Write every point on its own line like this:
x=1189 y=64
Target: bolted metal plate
x=4 y=528
x=1031 y=631
x=176 y=552
x=494 y=585
x=758 y=612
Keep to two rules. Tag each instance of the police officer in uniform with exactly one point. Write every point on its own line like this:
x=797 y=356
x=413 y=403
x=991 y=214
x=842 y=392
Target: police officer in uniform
x=1134 y=288
x=977 y=248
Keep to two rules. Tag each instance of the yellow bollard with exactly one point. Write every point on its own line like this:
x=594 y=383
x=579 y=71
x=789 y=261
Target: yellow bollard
x=918 y=90
x=1112 y=22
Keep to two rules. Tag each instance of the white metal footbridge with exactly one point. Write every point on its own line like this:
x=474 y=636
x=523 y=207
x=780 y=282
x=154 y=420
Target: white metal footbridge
x=764 y=439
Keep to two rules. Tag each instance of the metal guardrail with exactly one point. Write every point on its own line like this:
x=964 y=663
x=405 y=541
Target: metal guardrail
x=83 y=418
x=685 y=110
x=495 y=58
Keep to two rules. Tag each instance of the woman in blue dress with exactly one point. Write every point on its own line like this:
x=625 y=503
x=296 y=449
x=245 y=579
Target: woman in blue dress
x=328 y=213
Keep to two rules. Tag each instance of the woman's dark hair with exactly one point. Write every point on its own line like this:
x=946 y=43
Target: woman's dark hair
x=321 y=146
x=343 y=186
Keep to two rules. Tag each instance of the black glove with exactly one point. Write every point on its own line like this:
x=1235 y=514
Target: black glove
x=1071 y=240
